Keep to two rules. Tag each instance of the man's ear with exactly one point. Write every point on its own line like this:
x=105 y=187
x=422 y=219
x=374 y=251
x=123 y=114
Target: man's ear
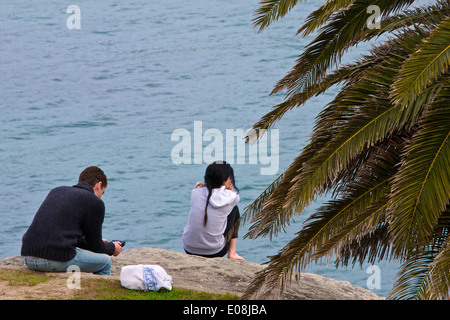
x=98 y=186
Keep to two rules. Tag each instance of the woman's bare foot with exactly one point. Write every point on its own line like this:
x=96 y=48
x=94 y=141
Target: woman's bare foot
x=232 y=251
x=235 y=256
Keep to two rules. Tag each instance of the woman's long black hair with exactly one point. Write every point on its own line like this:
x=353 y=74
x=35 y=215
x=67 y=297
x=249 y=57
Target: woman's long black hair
x=216 y=174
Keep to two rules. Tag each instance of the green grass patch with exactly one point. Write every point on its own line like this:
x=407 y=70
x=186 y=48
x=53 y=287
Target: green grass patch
x=110 y=289
x=23 y=277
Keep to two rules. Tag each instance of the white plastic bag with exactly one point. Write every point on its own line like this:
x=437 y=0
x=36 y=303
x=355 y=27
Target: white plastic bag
x=145 y=277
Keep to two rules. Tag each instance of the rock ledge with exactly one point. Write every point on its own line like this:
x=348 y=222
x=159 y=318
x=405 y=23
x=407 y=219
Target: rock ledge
x=223 y=275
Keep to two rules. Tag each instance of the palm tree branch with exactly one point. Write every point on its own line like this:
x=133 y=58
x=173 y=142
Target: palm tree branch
x=426 y=64
x=413 y=277
x=351 y=227
x=345 y=30
x=429 y=16
x=321 y=15
x=421 y=187
x=430 y=168
x=257 y=203
x=283 y=263
x=440 y=273
x=271 y=10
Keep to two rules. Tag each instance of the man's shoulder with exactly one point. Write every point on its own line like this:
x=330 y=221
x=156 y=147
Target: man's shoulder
x=77 y=192
x=60 y=189
x=71 y=189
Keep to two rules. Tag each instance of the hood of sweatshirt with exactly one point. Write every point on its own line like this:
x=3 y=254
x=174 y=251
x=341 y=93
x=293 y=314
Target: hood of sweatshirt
x=221 y=197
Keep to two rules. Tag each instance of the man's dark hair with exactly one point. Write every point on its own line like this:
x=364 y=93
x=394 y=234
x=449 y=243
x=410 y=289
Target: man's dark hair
x=92 y=175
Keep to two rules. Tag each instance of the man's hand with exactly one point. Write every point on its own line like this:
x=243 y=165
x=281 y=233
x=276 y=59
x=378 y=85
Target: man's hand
x=118 y=248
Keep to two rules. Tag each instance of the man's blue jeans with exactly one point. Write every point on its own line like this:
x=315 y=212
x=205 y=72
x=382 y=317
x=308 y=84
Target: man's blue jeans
x=87 y=261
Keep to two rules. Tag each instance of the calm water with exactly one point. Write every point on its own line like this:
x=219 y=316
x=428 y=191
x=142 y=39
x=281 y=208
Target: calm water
x=112 y=93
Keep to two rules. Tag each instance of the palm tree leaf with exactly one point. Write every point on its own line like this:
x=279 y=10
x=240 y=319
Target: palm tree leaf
x=348 y=152
x=365 y=222
x=319 y=17
x=300 y=251
x=367 y=186
x=425 y=273
x=272 y=10
x=440 y=273
x=376 y=122
x=257 y=204
x=421 y=189
x=266 y=213
x=428 y=16
x=280 y=110
x=371 y=247
x=372 y=119
x=335 y=38
x=426 y=64
x=339 y=135
x=346 y=74
x=413 y=278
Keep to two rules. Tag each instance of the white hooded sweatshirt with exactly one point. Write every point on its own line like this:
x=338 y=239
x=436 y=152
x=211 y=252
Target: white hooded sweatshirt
x=209 y=239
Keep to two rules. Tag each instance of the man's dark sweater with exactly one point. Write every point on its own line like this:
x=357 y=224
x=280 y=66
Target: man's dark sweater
x=69 y=217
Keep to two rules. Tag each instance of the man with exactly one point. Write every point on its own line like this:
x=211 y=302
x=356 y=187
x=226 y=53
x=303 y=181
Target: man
x=67 y=229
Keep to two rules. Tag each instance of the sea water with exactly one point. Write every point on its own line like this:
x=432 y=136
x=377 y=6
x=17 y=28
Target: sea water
x=110 y=86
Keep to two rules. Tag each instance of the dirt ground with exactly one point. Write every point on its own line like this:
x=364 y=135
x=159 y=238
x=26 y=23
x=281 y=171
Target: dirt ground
x=220 y=275
x=55 y=288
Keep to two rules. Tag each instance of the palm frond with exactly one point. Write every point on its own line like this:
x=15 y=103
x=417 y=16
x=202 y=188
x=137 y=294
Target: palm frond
x=346 y=74
x=421 y=189
x=372 y=119
x=380 y=146
x=339 y=135
x=257 y=204
x=428 y=16
x=371 y=247
x=266 y=213
x=426 y=64
x=319 y=17
x=413 y=278
x=326 y=50
x=300 y=251
x=425 y=273
x=272 y=10
x=366 y=188
x=440 y=273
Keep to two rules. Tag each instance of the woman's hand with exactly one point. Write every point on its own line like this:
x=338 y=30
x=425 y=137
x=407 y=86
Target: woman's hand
x=199 y=184
x=228 y=185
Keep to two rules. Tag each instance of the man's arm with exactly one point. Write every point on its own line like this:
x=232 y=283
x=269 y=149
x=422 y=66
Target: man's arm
x=92 y=230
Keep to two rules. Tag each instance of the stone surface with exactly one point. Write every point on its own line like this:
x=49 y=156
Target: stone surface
x=225 y=275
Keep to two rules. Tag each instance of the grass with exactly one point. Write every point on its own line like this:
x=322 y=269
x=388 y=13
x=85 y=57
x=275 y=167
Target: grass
x=23 y=277
x=108 y=289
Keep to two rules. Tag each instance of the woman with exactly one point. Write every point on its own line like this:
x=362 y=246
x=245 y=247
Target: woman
x=213 y=222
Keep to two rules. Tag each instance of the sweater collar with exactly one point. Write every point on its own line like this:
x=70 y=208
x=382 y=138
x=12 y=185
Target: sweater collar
x=84 y=185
